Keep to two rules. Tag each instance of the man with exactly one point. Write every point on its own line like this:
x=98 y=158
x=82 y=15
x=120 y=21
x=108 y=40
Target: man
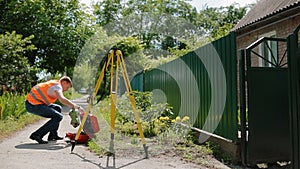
x=40 y=102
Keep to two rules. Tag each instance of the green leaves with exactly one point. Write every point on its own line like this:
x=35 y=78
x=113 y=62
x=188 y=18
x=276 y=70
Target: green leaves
x=60 y=28
x=56 y=31
x=15 y=71
x=167 y=28
x=218 y=22
x=150 y=21
x=12 y=105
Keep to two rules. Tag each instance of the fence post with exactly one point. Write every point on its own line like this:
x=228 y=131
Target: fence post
x=243 y=108
x=293 y=64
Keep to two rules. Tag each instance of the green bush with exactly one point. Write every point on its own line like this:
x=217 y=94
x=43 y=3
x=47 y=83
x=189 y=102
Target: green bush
x=156 y=118
x=148 y=113
x=12 y=105
x=15 y=71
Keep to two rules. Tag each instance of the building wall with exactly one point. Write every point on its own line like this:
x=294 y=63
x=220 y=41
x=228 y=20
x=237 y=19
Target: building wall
x=283 y=29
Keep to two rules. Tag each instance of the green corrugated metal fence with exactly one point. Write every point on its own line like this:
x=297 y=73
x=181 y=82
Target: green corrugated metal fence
x=137 y=82
x=202 y=85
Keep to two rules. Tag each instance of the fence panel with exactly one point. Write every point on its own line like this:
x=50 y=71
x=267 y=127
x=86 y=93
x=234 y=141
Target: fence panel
x=202 y=85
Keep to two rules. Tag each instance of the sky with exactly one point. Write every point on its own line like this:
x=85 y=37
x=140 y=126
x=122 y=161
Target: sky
x=200 y=3
x=218 y=3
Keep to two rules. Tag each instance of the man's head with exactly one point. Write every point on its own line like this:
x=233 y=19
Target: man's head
x=66 y=83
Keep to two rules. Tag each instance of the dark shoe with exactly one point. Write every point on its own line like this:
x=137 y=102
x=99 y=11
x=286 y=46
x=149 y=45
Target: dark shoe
x=54 y=138
x=38 y=139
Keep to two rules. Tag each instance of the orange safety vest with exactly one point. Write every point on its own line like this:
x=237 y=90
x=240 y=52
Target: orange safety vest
x=38 y=94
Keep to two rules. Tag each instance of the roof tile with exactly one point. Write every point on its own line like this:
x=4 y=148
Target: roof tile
x=264 y=9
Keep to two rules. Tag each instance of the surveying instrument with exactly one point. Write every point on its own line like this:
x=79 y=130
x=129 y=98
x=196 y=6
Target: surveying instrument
x=115 y=60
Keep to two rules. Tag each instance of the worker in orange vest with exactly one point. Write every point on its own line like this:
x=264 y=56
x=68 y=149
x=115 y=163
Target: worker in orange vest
x=40 y=101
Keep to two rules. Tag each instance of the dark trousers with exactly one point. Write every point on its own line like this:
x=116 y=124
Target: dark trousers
x=52 y=111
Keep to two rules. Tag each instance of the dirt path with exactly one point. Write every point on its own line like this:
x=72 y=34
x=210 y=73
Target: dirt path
x=19 y=152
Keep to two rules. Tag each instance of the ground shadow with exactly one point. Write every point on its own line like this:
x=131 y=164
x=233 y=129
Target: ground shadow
x=107 y=167
x=49 y=146
x=133 y=162
x=86 y=160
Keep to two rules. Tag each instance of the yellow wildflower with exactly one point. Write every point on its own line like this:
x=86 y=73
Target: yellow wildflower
x=185 y=118
x=164 y=118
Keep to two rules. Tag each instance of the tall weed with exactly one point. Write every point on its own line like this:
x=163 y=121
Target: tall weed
x=12 y=105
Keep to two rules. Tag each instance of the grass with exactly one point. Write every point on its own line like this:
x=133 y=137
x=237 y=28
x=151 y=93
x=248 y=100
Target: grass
x=95 y=147
x=11 y=125
x=13 y=115
x=194 y=153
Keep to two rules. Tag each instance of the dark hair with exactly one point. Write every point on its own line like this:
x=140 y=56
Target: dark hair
x=66 y=79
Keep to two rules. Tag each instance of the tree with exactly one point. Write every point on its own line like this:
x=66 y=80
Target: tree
x=15 y=71
x=94 y=54
x=150 y=21
x=217 y=22
x=166 y=28
x=60 y=28
x=108 y=11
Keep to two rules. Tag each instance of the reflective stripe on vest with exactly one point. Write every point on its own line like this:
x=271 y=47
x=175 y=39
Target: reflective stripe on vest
x=41 y=94
x=38 y=94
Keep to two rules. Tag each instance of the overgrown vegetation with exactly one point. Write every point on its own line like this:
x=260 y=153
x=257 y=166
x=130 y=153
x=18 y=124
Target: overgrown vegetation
x=166 y=133
x=12 y=106
x=11 y=125
x=16 y=74
x=13 y=115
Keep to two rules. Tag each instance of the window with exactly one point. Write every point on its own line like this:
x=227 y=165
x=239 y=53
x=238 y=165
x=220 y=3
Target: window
x=268 y=50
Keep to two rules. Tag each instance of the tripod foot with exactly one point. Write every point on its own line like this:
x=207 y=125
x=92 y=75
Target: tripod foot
x=146 y=150
x=110 y=154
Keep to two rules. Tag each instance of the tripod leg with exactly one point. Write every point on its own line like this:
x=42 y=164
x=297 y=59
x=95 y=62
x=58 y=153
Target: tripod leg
x=113 y=99
x=112 y=123
x=98 y=84
x=132 y=100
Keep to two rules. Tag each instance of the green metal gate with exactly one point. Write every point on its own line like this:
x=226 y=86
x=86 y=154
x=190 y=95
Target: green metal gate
x=264 y=93
x=294 y=96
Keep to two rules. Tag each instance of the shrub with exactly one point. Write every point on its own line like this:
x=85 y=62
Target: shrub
x=148 y=113
x=15 y=71
x=12 y=105
x=156 y=117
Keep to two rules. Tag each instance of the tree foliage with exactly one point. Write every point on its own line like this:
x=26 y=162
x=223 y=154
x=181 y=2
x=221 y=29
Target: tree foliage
x=170 y=25
x=15 y=71
x=217 y=22
x=148 y=32
x=94 y=53
x=59 y=28
x=108 y=10
x=150 y=21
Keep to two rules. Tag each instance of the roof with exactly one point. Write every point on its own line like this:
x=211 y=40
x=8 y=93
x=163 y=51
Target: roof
x=264 y=9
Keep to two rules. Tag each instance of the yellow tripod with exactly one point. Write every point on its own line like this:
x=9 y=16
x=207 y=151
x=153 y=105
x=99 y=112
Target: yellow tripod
x=114 y=59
